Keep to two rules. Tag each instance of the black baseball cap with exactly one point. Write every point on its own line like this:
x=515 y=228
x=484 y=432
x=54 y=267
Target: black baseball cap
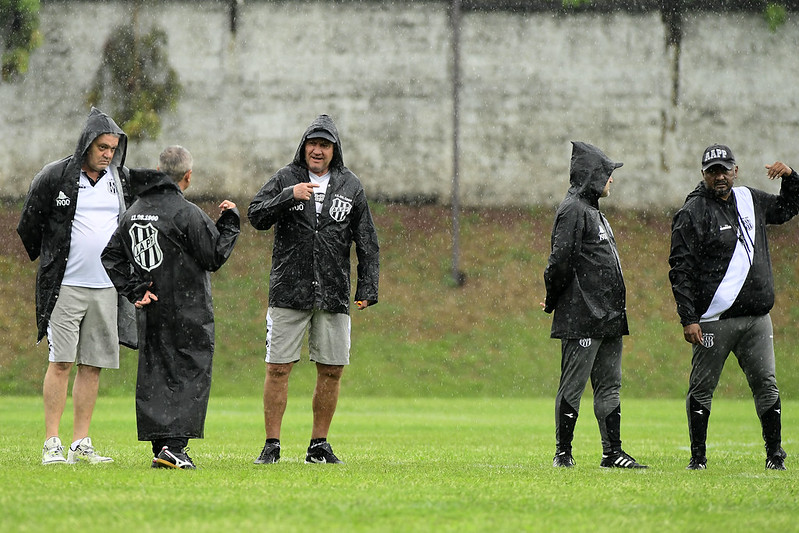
x=321 y=134
x=717 y=154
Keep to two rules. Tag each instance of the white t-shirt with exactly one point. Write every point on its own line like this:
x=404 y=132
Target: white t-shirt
x=319 y=192
x=96 y=219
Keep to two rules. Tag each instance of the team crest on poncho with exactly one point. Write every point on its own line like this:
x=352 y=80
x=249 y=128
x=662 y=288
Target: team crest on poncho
x=146 y=251
x=707 y=340
x=340 y=208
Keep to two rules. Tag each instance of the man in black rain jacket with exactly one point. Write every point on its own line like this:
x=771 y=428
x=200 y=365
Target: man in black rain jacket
x=722 y=283
x=160 y=258
x=585 y=289
x=71 y=209
x=318 y=208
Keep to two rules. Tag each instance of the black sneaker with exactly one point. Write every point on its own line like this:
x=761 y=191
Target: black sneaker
x=563 y=459
x=270 y=454
x=174 y=459
x=697 y=462
x=776 y=461
x=619 y=460
x=321 y=453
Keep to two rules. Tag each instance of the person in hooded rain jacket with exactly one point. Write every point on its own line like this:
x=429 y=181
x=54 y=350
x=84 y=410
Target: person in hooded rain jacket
x=71 y=210
x=318 y=208
x=160 y=258
x=585 y=290
x=722 y=283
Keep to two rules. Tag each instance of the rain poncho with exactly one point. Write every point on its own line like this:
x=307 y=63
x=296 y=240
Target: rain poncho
x=45 y=226
x=719 y=251
x=169 y=245
x=583 y=277
x=310 y=260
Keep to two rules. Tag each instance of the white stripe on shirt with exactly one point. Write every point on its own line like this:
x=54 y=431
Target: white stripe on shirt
x=741 y=260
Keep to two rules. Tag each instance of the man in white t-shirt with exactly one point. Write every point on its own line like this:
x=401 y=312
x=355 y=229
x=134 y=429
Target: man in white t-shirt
x=70 y=213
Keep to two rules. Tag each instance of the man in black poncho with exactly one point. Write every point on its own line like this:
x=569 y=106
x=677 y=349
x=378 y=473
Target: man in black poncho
x=318 y=208
x=160 y=258
x=585 y=289
x=71 y=210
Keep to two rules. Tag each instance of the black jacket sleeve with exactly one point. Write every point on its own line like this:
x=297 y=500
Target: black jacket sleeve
x=211 y=244
x=271 y=201
x=368 y=252
x=35 y=212
x=559 y=273
x=784 y=206
x=683 y=257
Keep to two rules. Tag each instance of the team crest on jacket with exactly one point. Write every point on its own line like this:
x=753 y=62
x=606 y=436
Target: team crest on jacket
x=146 y=251
x=707 y=340
x=585 y=343
x=340 y=208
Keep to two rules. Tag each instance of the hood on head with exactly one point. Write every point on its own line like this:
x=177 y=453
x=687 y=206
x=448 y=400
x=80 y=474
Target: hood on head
x=97 y=124
x=325 y=124
x=143 y=180
x=590 y=170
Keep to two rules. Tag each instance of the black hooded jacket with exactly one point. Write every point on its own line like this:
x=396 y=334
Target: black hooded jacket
x=45 y=225
x=169 y=245
x=704 y=236
x=310 y=260
x=583 y=277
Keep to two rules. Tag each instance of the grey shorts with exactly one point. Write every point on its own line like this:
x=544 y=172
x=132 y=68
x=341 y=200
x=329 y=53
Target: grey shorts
x=328 y=336
x=83 y=327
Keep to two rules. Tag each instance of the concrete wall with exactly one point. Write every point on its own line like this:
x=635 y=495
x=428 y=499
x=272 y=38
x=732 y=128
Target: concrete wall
x=531 y=83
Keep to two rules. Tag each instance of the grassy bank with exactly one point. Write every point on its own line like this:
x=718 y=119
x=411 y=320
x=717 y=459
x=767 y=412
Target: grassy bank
x=427 y=336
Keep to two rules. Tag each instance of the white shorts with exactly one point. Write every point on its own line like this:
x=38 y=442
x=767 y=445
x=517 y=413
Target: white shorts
x=328 y=336
x=83 y=327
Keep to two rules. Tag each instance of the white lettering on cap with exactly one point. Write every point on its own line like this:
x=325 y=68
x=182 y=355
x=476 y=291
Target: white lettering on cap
x=715 y=153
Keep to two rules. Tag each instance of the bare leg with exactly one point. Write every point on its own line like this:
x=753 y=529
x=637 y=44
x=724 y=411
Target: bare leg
x=84 y=396
x=276 y=390
x=54 y=390
x=325 y=398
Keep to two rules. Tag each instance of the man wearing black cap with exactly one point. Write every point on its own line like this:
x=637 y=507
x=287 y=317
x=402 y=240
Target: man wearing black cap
x=585 y=289
x=722 y=283
x=319 y=209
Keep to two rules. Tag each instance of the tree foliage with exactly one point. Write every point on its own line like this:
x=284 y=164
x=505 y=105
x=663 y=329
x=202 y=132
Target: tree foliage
x=776 y=15
x=135 y=82
x=19 y=27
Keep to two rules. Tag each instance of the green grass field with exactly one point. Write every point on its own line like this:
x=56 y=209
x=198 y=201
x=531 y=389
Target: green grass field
x=445 y=418
x=411 y=465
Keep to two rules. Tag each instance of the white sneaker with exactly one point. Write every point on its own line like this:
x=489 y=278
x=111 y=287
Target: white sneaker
x=85 y=452
x=53 y=452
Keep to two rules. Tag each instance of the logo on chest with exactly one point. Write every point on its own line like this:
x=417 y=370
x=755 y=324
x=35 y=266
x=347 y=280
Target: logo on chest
x=603 y=235
x=340 y=208
x=144 y=245
x=62 y=200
